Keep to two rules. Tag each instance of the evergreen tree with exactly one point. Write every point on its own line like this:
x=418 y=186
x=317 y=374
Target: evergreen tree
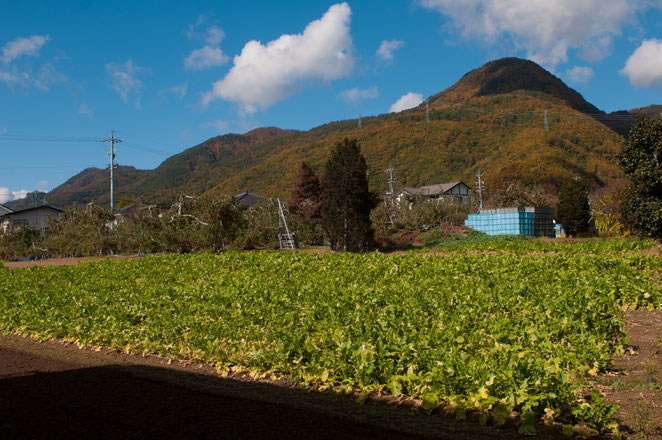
x=306 y=202
x=641 y=160
x=573 y=210
x=346 y=199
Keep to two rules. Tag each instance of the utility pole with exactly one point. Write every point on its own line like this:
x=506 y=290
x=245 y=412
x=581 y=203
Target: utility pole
x=112 y=139
x=427 y=111
x=391 y=181
x=360 y=123
x=388 y=201
x=546 y=124
x=480 y=191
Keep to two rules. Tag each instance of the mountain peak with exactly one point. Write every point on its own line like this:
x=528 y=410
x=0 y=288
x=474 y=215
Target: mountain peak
x=508 y=75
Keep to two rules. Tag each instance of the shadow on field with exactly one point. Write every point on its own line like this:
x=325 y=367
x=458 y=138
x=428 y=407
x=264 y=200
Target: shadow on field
x=129 y=401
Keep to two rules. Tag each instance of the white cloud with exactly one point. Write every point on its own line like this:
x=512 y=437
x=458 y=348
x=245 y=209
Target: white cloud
x=214 y=35
x=265 y=74
x=220 y=126
x=20 y=194
x=644 y=67
x=386 y=49
x=210 y=55
x=178 y=91
x=11 y=78
x=123 y=78
x=405 y=102
x=48 y=76
x=579 y=74
x=23 y=47
x=84 y=110
x=545 y=29
x=205 y=57
x=354 y=95
x=14 y=72
x=42 y=185
x=5 y=195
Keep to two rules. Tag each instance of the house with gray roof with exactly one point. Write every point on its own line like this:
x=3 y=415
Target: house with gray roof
x=36 y=217
x=459 y=191
x=248 y=199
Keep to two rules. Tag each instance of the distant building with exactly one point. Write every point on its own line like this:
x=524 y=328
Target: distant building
x=248 y=199
x=459 y=191
x=35 y=217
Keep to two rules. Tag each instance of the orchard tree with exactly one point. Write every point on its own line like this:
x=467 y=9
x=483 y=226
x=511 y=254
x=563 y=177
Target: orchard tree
x=573 y=210
x=641 y=160
x=346 y=199
x=306 y=202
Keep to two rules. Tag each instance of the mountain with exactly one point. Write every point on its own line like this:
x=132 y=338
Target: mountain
x=508 y=75
x=510 y=118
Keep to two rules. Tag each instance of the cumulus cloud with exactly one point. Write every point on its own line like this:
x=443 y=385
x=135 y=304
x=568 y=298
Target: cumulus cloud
x=386 y=49
x=20 y=194
x=23 y=47
x=354 y=95
x=406 y=102
x=579 y=74
x=124 y=78
x=205 y=57
x=265 y=74
x=545 y=29
x=644 y=67
x=210 y=55
x=5 y=195
x=84 y=110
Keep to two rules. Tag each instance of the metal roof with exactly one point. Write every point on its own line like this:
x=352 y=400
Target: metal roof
x=249 y=199
x=433 y=190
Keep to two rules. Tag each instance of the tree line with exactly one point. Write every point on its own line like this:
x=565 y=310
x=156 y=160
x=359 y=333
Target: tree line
x=337 y=208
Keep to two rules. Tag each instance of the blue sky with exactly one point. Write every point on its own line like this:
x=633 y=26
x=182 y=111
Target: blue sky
x=168 y=75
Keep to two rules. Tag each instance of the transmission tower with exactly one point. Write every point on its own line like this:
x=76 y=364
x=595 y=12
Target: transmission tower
x=480 y=191
x=112 y=139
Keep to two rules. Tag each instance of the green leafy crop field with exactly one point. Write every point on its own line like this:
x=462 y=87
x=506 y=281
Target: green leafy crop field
x=488 y=333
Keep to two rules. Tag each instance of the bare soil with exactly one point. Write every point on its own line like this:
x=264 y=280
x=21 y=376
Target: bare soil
x=54 y=390
x=635 y=380
x=65 y=261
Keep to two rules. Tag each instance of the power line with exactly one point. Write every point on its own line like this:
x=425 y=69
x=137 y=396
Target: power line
x=18 y=138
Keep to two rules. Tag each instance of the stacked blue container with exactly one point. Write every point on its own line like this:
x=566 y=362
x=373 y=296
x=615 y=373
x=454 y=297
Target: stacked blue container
x=534 y=222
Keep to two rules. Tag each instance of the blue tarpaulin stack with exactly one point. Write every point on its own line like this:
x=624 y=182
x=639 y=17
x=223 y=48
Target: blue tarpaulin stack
x=534 y=222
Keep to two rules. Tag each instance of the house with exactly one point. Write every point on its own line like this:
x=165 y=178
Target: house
x=35 y=217
x=459 y=191
x=4 y=210
x=248 y=199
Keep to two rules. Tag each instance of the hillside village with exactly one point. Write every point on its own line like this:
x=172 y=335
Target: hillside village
x=510 y=120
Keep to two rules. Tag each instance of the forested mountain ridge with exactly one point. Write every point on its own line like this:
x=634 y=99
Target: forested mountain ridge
x=511 y=119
